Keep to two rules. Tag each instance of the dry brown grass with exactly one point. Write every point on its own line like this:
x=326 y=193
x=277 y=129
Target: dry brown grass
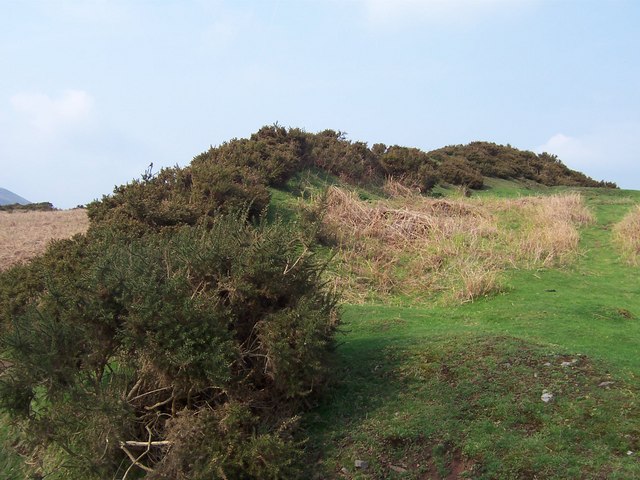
x=547 y=233
x=627 y=235
x=23 y=235
x=417 y=246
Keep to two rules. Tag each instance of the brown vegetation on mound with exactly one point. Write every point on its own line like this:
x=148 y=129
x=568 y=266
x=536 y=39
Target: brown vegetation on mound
x=23 y=235
x=627 y=235
x=418 y=246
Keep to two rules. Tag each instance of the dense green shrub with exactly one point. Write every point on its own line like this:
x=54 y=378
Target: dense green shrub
x=273 y=154
x=180 y=196
x=352 y=161
x=492 y=160
x=208 y=340
x=458 y=171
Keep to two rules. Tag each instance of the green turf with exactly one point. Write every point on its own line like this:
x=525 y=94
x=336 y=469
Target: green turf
x=10 y=462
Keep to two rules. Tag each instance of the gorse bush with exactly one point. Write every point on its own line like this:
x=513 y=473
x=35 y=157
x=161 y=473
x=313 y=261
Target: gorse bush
x=190 y=352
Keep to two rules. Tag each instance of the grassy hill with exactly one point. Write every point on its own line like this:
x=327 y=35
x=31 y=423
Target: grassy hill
x=489 y=329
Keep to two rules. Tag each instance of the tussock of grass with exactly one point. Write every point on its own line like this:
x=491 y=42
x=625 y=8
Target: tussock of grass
x=417 y=246
x=627 y=235
x=547 y=235
x=23 y=235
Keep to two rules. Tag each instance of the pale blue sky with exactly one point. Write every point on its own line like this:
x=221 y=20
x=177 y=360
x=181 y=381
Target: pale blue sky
x=92 y=91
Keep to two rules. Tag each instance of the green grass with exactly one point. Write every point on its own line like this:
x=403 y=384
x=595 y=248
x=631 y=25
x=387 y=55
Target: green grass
x=455 y=392
x=10 y=462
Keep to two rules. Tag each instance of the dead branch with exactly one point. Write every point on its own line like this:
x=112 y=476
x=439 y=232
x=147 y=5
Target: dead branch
x=159 y=404
x=134 y=389
x=148 y=393
x=137 y=444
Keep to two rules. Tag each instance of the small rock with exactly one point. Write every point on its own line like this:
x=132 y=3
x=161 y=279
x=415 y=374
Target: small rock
x=344 y=471
x=629 y=452
x=547 y=364
x=568 y=364
x=546 y=396
x=605 y=384
x=398 y=469
x=361 y=464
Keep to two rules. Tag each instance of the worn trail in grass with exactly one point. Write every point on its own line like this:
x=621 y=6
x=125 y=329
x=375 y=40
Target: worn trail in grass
x=431 y=392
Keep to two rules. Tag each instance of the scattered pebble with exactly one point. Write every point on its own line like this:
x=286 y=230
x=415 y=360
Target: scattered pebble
x=361 y=464
x=547 y=364
x=605 y=384
x=398 y=469
x=629 y=452
x=546 y=396
x=569 y=364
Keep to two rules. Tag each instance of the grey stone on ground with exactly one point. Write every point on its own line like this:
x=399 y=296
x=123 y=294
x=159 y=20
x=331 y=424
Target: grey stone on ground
x=398 y=469
x=361 y=464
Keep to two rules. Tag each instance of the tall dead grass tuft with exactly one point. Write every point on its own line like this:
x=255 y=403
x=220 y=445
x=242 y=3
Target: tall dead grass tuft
x=548 y=233
x=627 y=235
x=418 y=246
x=23 y=235
x=395 y=189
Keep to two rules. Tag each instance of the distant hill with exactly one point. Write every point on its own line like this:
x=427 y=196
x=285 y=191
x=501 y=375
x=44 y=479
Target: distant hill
x=10 y=198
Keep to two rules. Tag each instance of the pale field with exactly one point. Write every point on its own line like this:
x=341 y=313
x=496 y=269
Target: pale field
x=23 y=235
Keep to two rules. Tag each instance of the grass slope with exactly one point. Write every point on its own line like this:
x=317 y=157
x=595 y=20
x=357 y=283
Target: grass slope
x=435 y=392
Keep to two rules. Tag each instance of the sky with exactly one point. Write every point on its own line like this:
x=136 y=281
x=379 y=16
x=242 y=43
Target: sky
x=93 y=91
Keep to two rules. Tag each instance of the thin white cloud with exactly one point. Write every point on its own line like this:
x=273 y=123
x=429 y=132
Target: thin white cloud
x=48 y=115
x=568 y=147
x=450 y=11
x=609 y=153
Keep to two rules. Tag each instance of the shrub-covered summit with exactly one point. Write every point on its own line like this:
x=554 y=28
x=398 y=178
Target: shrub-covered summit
x=239 y=172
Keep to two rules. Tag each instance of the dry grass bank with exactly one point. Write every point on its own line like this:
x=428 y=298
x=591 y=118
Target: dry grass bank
x=24 y=235
x=417 y=246
x=627 y=235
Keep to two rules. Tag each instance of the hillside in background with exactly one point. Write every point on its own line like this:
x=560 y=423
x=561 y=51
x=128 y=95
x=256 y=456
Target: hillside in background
x=10 y=198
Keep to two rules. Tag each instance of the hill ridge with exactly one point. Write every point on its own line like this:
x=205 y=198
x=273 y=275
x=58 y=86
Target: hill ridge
x=7 y=197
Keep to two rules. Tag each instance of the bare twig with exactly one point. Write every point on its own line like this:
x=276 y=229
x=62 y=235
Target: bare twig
x=137 y=444
x=134 y=389
x=149 y=393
